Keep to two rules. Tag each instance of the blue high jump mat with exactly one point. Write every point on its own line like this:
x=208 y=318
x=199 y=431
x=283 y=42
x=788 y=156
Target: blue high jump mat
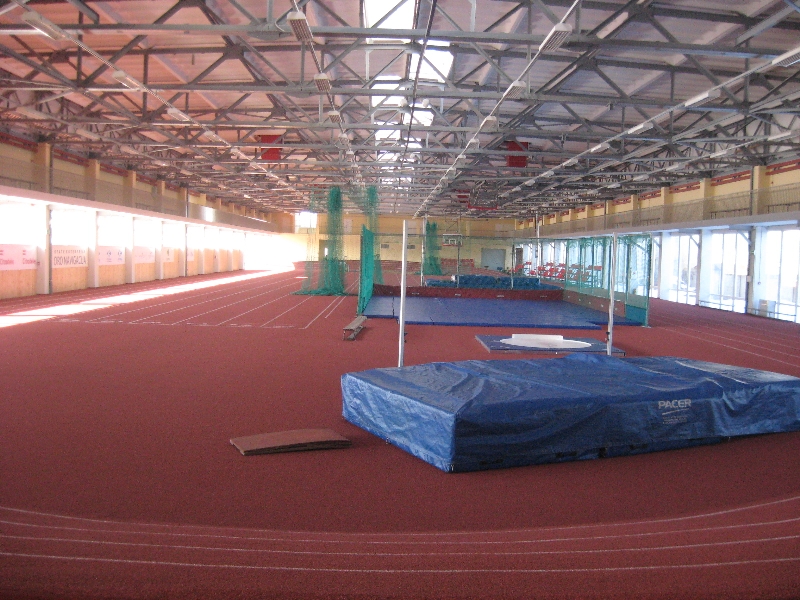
x=487 y=312
x=544 y=344
x=474 y=415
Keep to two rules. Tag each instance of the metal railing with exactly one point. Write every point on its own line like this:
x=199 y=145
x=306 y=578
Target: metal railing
x=29 y=176
x=778 y=199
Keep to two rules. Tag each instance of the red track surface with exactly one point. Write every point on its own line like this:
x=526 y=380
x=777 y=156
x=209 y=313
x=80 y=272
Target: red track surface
x=117 y=479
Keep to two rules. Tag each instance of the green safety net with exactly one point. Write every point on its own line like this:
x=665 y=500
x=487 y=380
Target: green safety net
x=371 y=208
x=432 y=265
x=327 y=279
x=368 y=263
x=583 y=265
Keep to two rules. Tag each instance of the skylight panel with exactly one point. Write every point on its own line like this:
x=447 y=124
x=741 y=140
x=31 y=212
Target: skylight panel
x=422 y=116
x=388 y=83
x=436 y=66
x=402 y=17
x=387 y=135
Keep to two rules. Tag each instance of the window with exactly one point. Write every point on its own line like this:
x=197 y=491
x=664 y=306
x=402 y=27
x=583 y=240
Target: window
x=727 y=273
x=305 y=220
x=680 y=255
x=780 y=275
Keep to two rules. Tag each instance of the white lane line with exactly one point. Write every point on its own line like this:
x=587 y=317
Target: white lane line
x=237 y=302
x=269 y=290
x=307 y=298
x=257 y=286
x=251 y=310
x=735 y=563
x=716 y=529
x=717 y=334
x=99 y=294
x=342 y=299
x=440 y=535
x=320 y=314
x=371 y=553
x=677 y=330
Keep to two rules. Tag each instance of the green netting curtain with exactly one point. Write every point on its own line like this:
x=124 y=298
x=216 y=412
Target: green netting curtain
x=432 y=264
x=367 y=278
x=331 y=267
x=372 y=214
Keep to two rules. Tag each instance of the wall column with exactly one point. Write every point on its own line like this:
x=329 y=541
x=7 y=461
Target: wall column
x=130 y=267
x=760 y=190
x=665 y=271
x=183 y=196
x=43 y=261
x=201 y=259
x=666 y=201
x=93 y=279
x=182 y=263
x=128 y=185
x=43 y=159
x=703 y=265
x=159 y=248
x=160 y=188
x=91 y=174
x=706 y=193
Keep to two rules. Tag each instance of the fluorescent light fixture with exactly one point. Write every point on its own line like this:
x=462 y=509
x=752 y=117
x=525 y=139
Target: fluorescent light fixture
x=504 y=194
x=473 y=142
x=517 y=189
x=128 y=81
x=178 y=114
x=789 y=58
x=31 y=113
x=299 y=24
x=48 y=28
x=675 y=167
x=87 y=134
x=489 y=124
x=213 y=137
x=557 y=36
x=350 y=153
x=571 y=162
x=160 y=163
x=647 y=125
x=613 y=185
x=600 y=147
x=702 y=98
x=187 y=173
x=641 y=177
x=323 y=83
x=516 y=90
x=239 y=154
x=531 y=181
x=783 y=136
x=720 y=153
x=334 y=116
x=548 y=173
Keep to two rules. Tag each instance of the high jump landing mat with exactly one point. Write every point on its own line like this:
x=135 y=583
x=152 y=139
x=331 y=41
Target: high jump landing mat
x=482 y=312
x=473 y=415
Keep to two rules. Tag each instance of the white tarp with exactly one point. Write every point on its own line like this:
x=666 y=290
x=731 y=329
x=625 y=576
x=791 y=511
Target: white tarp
x=531 y=340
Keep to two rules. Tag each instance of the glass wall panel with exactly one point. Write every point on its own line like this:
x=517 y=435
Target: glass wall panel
x=683 y=270
x=727 y=271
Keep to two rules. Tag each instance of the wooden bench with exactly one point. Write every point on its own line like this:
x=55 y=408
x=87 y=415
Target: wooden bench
x=351 y=331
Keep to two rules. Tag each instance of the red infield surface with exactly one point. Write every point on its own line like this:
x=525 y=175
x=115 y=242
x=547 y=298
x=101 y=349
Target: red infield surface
x=118 y=480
